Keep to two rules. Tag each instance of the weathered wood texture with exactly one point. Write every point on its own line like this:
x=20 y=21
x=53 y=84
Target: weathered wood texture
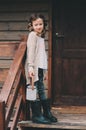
x=14 y=18
x=69 y=52
x=14 y=80
x=69 y=118
x=7 y=52
x=2 y=115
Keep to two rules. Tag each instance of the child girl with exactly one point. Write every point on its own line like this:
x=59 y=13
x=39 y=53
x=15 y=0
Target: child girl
x=36 y=65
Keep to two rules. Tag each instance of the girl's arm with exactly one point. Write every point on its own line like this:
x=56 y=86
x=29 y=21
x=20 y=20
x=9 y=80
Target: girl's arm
x=31 y=46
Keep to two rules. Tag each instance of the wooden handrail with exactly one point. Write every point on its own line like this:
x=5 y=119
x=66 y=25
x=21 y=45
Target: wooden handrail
x=13 y=72
x=12 y=85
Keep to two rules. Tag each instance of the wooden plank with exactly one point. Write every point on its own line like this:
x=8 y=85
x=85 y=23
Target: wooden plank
x=17 y=16
x=3 y=74
x=70 y=100
x=3 y=26
x=1 y=84
x=50 y=51
x=7 y=50
x=9 y=43
x=12 y=35
x=2 y=115
x=62 y=125
x=66 y=126
x=15 y=118
x=13 y=25
x=13 y=7
x=5 y=64
x=81 y=110
x=75 y=53
x=18 y=25
x=65 y=121
x=12 y=98
x=15 y=35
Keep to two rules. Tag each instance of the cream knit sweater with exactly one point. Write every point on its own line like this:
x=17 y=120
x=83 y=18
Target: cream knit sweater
x=37 y=57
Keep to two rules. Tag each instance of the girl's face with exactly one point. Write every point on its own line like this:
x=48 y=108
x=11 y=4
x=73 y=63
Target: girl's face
x=38 y=25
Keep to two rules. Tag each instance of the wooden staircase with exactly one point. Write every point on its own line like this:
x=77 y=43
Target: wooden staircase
x=12 y=84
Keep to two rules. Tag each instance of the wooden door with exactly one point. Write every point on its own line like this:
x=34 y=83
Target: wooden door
x=69 y=52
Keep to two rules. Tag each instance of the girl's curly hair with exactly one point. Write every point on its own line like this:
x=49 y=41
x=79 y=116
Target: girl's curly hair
x=33 y=18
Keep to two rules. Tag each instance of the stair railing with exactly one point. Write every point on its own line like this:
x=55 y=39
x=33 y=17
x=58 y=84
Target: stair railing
x=12 y=96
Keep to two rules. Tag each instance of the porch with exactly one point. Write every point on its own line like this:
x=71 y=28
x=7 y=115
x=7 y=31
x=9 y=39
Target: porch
x=69 y=117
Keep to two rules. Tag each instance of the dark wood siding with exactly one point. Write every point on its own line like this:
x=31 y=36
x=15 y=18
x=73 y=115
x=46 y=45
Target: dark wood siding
x=14 y=18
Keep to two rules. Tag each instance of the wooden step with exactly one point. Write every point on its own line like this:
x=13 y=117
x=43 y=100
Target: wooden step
x=65 y=121
x=24 y=125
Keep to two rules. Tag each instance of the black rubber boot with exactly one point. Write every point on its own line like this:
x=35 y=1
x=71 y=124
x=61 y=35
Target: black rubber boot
x=27 y=110
x=47 y=110
x=37 y=116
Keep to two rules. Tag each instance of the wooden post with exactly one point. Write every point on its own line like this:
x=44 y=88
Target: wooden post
x=2 y=115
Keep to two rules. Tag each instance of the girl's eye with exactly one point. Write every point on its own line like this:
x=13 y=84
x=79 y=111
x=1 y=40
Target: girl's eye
x=36 y=24
x=40 y=24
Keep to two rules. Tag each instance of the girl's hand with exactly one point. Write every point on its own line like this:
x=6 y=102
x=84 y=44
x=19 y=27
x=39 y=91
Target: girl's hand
x=31 y=74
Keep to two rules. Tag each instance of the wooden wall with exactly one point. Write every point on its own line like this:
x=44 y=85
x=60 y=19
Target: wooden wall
x=14 y=16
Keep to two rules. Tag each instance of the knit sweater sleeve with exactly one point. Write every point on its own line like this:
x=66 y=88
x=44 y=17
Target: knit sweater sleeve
x=31 y=46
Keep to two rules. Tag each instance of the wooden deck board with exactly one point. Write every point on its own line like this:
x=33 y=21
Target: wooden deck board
x=68 y=118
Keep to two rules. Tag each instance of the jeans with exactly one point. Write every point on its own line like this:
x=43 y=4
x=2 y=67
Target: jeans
x=40 y=85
